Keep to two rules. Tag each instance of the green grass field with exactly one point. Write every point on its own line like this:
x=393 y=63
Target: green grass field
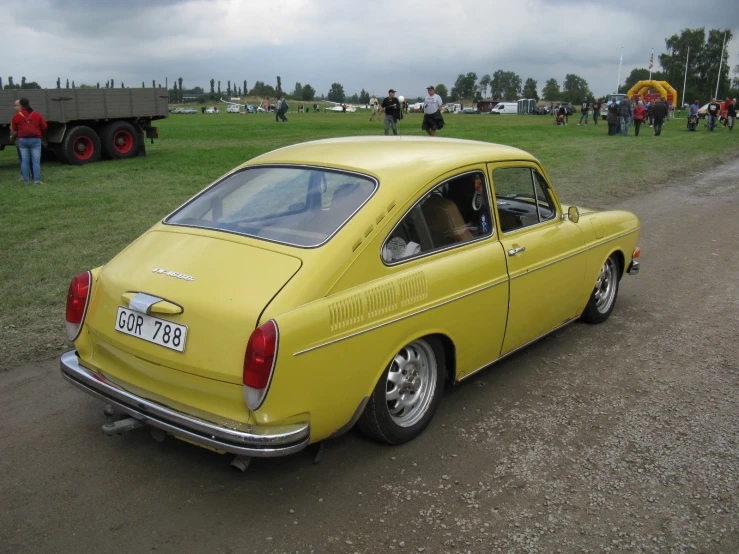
x=84 y=215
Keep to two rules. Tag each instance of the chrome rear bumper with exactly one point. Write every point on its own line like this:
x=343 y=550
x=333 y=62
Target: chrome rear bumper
x=260 y=441
x=633 y=267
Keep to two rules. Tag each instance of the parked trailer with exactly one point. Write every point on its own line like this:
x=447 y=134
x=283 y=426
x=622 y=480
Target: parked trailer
x=86 y=123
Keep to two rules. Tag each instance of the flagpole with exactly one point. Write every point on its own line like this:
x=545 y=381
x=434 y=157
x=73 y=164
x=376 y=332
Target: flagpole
x=618 y=83
x=718 y=80
x=685 y=82
x=651 y=62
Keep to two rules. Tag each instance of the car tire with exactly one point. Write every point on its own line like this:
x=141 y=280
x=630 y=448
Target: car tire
x=120 y=140
x=603 y=298
x=81 y=145
x=392 y=414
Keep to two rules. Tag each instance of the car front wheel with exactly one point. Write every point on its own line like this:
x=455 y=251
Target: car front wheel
x=603 y=297
x=406 y=397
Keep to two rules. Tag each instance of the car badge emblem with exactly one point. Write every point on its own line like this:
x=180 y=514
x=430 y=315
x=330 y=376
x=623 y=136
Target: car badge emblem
x=173 y=274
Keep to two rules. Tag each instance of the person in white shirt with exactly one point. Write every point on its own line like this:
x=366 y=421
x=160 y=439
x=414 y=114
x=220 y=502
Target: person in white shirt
x=432 y=120
x=374 y=106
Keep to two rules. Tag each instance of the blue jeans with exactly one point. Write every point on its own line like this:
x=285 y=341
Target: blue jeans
x=625 y=121
x=711 y=122
x=30 y=154
x=585 y=115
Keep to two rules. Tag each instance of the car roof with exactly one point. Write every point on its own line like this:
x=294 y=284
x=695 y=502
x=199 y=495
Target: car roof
x=393 y=158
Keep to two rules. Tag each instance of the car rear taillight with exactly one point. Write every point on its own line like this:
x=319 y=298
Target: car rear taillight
x=77 y=298
x=259 y=363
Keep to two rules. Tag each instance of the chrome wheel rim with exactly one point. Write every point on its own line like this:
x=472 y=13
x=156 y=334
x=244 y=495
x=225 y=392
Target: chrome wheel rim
x=411 y=383
x=605 y=287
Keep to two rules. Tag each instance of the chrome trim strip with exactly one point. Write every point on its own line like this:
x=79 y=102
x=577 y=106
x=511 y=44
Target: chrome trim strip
x=283 y=165
x=262 y=441
x=499 y=358
x=401 y=318
x=451 y=246
x=601 y=243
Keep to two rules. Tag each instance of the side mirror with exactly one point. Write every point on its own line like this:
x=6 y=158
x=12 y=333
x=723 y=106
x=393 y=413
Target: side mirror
x=573 y=214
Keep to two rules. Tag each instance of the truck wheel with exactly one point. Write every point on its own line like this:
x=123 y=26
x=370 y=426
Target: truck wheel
x=81 y=146
x=120 y=140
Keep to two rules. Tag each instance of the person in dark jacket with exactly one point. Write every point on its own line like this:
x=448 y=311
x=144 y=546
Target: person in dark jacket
x=596 y=111
x=730 y=112
x=612 y=118
x=625 y=113
x=660 y=113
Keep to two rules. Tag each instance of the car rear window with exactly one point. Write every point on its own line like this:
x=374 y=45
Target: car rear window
x=299 y=206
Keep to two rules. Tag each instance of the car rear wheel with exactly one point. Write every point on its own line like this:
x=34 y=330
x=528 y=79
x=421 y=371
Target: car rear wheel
x=120 y=140
x=603 y=297
x=81 y=145
x=407 y=395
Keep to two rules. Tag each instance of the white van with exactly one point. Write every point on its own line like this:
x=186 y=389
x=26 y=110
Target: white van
x=232 y=108
x=505 y=108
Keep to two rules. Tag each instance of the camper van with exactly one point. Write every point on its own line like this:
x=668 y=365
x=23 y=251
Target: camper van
x=505 y=108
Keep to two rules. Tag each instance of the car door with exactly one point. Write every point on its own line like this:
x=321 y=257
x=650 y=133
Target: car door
x=543 y=252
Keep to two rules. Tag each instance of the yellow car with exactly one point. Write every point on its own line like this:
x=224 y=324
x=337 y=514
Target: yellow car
x=334 y=283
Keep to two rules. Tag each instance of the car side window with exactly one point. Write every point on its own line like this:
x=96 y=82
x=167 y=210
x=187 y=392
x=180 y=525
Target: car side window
x=454 y=212
x=522 y=198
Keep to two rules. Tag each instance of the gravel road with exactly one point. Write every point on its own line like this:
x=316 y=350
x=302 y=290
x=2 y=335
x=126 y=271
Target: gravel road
x=621 y=437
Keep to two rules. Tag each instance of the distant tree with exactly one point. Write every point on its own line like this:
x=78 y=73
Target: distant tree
x=364 y=97
x=23 y=82
x=278 y=90
x=67 y=83
x=212 y=86
x=336 y=94
x=219 y=88
x=244 y=87
x=551 y=90
x=505 y=85
x=298 y=92
x=179 y=80
x=98 y=85
x=703 y=64
x=10 y=83
x=323 y=96
x=464 y=86
x=484 y=84
x=228 y=87
x=153 y=84
x=575 y=88
x=122 y=85
x=112 y=83
x=441 y=91
x=735 y=80
x=143 y=85
x=308 y=93
x=72 y=84
x=640 y=74
x=58 y=82
x=531 y=89
x=107 y=84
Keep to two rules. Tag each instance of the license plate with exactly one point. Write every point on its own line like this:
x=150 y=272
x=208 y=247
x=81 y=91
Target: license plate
x=151 y=329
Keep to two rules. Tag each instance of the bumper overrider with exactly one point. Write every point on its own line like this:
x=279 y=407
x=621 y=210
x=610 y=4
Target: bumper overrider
x=248 y=440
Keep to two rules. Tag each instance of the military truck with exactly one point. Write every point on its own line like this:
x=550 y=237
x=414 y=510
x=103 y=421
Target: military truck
x=87 y=123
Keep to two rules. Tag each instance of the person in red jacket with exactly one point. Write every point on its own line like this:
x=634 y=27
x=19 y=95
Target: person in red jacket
x=29 y=126
x=639 y=112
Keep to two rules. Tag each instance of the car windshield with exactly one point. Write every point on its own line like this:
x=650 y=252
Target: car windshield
x=298 y=206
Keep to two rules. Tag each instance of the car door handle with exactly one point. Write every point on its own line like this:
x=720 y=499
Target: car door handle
x=514 y=251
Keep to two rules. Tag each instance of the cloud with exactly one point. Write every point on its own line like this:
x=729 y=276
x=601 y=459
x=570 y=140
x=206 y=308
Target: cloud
x=373 y=45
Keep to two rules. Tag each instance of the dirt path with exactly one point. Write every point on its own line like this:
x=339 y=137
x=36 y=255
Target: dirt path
x=622 y=437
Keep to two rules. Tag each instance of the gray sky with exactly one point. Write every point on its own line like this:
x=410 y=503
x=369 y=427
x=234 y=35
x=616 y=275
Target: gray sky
x=375 y=44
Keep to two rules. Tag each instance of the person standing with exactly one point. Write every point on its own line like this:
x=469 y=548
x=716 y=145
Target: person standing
x=714 y=108
x=584 y=111
x=374 y=106
x=278 y=107
x=612 y=119
x=432 y=119
x=730 y=113
x=29 y=125
x=639 y=111
x=660 y=113
x=625 y=112
x=596 y=111
x=391 y=108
